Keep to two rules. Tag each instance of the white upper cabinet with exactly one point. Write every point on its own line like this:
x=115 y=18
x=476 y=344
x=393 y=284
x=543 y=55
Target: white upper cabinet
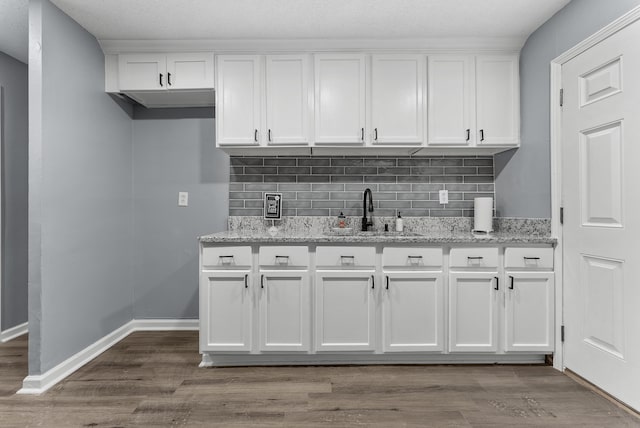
x=473 y=101
x=161 y=72
x=263 y=101
x=238 y=100
x=340 y=98
x=451 y=96
x=397 y=99
x=189 y=71
x=498 y=101
x=287 y=98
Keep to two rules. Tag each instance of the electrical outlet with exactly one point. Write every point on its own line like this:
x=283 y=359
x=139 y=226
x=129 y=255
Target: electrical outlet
x=183 y=199
x=444 y=196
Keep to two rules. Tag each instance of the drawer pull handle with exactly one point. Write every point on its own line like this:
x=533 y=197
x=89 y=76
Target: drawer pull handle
x=415 y=260
x=373 y=282
x=282 y=260
x=475 y=258
x=261 y=281
x=246 y=281
x=387 y=282
x=531 y=258
x=347 y=260
x=511 y=279
x=497 y=287
x=226 y=260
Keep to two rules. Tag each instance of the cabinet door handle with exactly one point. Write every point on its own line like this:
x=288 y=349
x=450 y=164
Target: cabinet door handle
x=269 y=134
x=511 y=282
x=255 y=135
x=261 y=281
x=375 y=134
x=468 y=134
x=531 y=258
x=482 y=135
x=169 y=79
x=387 y=282
x=161 y=80
x=362 y=134
x=246 y=280
x=373 y=282
x=497 y=287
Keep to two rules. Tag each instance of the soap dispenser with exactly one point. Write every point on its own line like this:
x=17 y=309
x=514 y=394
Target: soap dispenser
x=399 y=225
x=341 y=221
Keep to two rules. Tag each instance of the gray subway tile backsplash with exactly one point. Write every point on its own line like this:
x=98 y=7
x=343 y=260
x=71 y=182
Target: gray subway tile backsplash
x=322 y=186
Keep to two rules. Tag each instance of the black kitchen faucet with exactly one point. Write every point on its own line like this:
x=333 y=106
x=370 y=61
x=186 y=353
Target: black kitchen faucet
x=366 y=222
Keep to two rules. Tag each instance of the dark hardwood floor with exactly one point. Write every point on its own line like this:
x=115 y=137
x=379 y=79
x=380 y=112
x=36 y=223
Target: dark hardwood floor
x=151 y=379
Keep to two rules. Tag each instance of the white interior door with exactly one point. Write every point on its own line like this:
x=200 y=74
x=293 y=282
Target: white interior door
x=601 y=232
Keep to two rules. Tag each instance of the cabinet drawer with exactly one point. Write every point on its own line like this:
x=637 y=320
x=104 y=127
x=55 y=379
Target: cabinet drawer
x=345 y=257
x=226 y=257
x=528 y=258
x=474 y=258
x=407 y=257
x=284 y=256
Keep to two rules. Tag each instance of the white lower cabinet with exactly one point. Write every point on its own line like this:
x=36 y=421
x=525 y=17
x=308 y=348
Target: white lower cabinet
x=345 y=310
x=529 y=311
x=225 y=311
x=473 y=311
x=285 y=311
x=412 y=312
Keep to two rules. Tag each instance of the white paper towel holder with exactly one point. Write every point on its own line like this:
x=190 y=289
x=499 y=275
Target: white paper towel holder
x=486 y=218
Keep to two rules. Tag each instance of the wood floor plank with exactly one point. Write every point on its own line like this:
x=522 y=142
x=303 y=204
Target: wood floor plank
x=152 y=379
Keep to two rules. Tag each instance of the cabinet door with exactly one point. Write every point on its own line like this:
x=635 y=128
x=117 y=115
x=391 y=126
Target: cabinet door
x=340 y=99
x=529 y=317
x=397 y=105
x=238 y=100
x=284 y=311
x=287 y=96
x=225 y=311
x=451 y=97
x=497 y=100
x=412 y=312
x=473 y=312
x=345 y=311
x=190 y=70
x=142 y=72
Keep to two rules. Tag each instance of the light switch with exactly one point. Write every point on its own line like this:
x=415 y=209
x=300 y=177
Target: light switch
x=183 y=199
x=444 y=196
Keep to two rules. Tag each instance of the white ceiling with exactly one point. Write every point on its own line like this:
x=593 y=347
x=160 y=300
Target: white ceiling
x=288 y=19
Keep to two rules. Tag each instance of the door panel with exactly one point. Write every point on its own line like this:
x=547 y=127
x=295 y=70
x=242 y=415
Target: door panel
x=601 y=232
x=190 y=70
x=238 y=95
x=397 y=99
x=345 y=311
x=284 y=311
x=141 y=72
x=226 y=321
x=529 y=315
x=287 y=93
x=340 y=99
x=412 y=312
x=473 y=312
x=451 y=97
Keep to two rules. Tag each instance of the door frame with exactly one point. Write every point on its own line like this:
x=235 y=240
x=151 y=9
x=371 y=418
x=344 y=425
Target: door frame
x=556 y=159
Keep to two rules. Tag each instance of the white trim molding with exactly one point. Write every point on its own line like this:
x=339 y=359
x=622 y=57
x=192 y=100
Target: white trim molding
x=556 y=160
x=37 y=384
x=13 y=332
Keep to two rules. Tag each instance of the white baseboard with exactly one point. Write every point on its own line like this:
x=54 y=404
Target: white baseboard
x=13 y=332
x=38 y=384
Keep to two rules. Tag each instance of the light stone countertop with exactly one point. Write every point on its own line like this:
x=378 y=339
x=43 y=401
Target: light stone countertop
x=295 y=237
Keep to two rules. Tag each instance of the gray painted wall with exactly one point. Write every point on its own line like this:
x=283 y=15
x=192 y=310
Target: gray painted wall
x=170 y=156
x=80 y=269
x=523 y=176
x=15 y=158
